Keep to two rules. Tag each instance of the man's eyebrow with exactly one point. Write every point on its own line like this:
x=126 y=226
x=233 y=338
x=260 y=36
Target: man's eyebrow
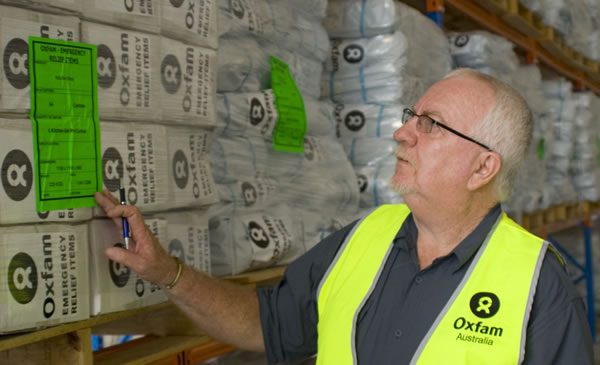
x=437 y=116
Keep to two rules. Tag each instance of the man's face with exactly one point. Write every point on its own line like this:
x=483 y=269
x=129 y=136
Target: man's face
x=438 y=164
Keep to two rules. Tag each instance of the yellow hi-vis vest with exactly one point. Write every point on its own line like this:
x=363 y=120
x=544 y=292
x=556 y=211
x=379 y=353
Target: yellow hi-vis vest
x=483 y=322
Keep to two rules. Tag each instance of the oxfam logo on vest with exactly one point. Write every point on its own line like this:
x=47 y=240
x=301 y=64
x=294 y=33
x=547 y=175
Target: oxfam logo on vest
x=22 y=278
x=484 y=304
x=16 y=65
x=17 y=176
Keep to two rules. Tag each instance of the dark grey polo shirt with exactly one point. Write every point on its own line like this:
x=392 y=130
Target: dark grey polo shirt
x=406 y=301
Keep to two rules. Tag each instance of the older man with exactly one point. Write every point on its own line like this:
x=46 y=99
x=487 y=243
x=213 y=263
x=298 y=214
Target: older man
x=445 y=279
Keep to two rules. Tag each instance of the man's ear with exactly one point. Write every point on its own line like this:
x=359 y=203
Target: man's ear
x=486 y=167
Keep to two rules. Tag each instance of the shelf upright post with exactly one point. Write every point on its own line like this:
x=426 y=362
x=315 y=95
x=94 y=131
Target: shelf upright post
x=435 y=11
x=586 y=225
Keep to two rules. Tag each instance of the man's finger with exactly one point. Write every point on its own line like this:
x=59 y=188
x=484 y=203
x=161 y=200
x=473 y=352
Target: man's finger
x=122 y=256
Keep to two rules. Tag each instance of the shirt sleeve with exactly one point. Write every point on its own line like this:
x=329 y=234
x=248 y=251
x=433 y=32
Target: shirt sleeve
x=288 y=311
x=558 y=332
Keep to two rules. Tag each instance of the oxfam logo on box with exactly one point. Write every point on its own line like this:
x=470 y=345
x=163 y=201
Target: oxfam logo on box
x=107 y=67
x=22 y=278
x=170 y=74
x=176 y=249
x=112 y=168
x=17 y=175
x=180 y=169
x=119 y=273
x=16 y=66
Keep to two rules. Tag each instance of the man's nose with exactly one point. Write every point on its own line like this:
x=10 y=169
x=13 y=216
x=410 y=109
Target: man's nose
x=406 y=134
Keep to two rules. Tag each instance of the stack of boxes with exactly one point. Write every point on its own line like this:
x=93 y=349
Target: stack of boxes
x=157 y=82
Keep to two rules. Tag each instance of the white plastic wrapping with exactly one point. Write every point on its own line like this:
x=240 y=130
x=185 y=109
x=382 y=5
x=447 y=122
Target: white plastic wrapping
x=113 y=286
x=359 y=18
x=191 y=180
x=241 y=239
x=16 y=25
x=375 y=183
x=583 y=167
x=46 y=276
x=483 y=50
x=128 y=72
x=256 y=114
x=192 y=21
x=137 y=154
x=368 y=120
x=17 y=195
x=381 y=88
x=368 y=151
x=431 y=62
x=142 y=15
x=188 y=83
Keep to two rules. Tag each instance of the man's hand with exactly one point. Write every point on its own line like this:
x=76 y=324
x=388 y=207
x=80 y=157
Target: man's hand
x=146 y=256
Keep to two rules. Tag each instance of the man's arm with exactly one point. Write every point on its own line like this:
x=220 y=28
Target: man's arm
x=558 y=332
x=227 y=312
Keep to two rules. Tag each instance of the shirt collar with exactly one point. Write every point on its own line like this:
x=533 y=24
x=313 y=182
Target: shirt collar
x=407 y=236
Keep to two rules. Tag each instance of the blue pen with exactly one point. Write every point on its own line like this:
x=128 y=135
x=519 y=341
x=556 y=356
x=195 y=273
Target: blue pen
x=123 y=201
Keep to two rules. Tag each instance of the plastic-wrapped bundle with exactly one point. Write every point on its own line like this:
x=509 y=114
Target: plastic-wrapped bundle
x=581 y=27
x=583 y=166
x=128 y=72
x=481 y=50
x=16 y=25
x=377 y=88
x=276 y=22
x=359 y=18
x=554 y=13
x=259 y=17
x=241 y=114
x=562 y=111
x=429 y=63
x=317 y=8
x=142 y=15
x=528 y=189
x=321 y=180
x=374 y=183
x=51 y=6
x=244 y=66
x=303 y=68
x=251 y=191
x=379 y=54
x=192 y=21
x=243 y=239
x=369 y=151
x=188 y=85
x=368 y=120
x=190 y=176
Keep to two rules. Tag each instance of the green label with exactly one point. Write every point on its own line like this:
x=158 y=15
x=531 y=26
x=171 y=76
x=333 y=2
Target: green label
x=64 y=115
x=541 y=149
x=288 y=135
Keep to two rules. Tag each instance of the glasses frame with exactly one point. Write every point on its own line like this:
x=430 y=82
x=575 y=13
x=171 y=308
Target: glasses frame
x=411 y=114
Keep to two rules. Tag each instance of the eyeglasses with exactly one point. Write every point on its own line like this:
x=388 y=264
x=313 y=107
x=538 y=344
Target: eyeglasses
x=425 y=125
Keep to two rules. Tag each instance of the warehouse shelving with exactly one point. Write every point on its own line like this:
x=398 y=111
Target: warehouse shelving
x=174 y=340
x=174 y=337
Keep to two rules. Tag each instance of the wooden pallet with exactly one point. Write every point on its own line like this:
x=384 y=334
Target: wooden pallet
x=523 y=19
x=552 y=42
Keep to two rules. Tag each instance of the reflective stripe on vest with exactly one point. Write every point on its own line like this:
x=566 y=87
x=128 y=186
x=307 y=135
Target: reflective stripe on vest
x=483 y=322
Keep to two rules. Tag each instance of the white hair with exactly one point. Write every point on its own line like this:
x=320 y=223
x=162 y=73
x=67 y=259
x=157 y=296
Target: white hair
x=506 y=128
